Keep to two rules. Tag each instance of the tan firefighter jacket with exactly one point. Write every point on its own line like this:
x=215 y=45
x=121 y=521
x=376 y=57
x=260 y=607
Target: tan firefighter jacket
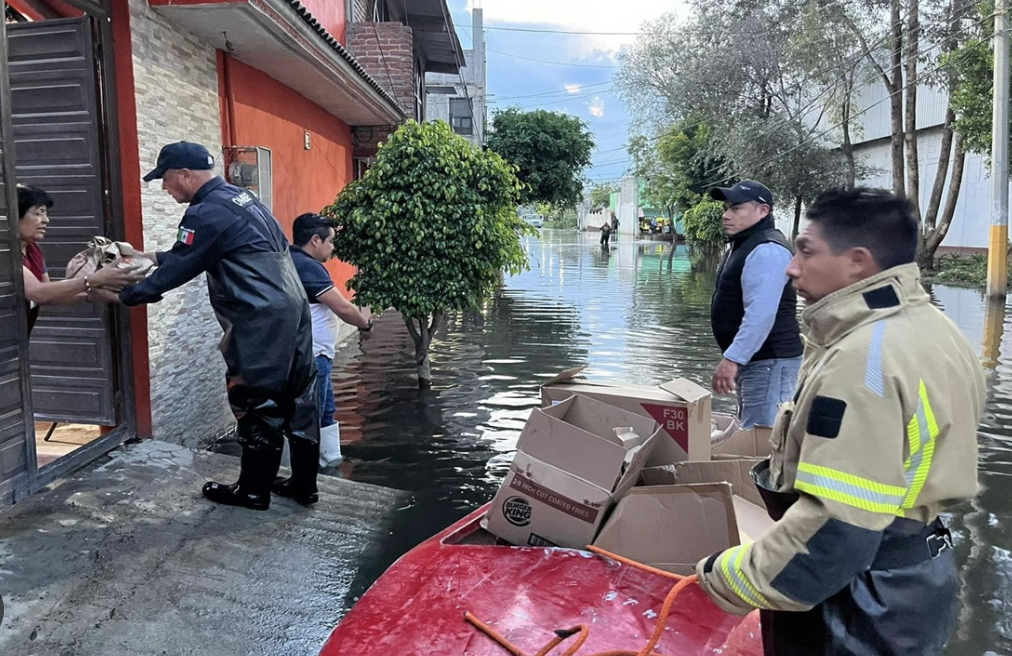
x=882 y=425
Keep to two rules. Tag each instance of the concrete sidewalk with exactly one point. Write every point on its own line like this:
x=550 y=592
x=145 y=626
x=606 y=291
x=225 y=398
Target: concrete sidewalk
x=124 y=558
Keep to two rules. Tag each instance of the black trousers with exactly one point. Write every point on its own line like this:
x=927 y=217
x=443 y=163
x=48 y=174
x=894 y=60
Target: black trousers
x=906 y=611
x=264 y=419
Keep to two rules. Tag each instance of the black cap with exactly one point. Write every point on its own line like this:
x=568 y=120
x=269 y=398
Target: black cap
x=181 y=155
x=743 y=192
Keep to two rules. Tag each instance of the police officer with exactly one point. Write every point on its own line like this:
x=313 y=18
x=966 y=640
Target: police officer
x=879 y=439
x=261 y=305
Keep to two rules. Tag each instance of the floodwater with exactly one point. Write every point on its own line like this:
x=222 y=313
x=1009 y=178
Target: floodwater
x=628 y=315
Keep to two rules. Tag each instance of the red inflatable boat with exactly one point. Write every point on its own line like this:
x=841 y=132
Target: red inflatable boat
x=435 y=600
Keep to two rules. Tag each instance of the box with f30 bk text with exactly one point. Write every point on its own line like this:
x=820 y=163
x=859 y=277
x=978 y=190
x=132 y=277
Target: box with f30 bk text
x=574 y=460
x=681 y=407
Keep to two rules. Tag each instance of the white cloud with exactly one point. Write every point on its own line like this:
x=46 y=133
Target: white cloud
x=581 y=16
x=597 y=107
x=573 y=88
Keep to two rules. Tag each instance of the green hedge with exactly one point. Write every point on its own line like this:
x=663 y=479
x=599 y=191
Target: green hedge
x=703 y=224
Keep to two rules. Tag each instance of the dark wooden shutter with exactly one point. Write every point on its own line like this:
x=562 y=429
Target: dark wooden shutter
x=14 y=433
x=55 y=115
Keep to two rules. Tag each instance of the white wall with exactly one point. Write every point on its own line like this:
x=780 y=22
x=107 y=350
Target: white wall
x=970 y=224
x=177 y=99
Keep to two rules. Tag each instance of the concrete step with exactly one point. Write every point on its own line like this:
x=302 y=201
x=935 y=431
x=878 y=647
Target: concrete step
x=125 y=558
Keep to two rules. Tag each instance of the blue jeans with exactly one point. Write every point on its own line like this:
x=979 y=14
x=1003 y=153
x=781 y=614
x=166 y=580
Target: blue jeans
x=325 y=397
x=762 y=387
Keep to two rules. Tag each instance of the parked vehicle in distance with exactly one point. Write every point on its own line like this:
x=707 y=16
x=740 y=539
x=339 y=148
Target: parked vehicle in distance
x=535 y=220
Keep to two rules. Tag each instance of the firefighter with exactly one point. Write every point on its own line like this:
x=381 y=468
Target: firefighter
x=880 y=437
x=256 y=294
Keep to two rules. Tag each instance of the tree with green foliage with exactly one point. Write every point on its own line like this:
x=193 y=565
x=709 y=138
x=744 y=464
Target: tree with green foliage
x=679 y=167
x=703 y=224
x=550 y=149
x=600 y=196
x=430 y=226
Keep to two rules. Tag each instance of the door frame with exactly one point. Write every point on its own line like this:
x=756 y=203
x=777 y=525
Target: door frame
x=109 y=141
x=12 y=491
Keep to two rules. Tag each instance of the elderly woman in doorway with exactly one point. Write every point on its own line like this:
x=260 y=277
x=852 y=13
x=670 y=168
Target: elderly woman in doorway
x=33 y=215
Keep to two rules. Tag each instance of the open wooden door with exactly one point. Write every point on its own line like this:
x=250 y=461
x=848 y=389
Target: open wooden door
x=56 y=127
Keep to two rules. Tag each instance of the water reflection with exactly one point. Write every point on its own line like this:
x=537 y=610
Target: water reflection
x=627 y=314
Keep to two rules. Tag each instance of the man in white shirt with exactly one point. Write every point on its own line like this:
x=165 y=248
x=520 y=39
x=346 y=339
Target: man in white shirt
x=313 y=244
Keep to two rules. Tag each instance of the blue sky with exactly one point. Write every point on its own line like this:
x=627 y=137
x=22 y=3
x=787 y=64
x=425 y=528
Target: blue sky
x=578 y=80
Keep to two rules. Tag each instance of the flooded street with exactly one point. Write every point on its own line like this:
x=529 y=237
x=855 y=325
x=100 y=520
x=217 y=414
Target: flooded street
x=625 y=316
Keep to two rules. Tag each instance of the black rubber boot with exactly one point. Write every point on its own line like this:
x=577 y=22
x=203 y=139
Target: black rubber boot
x=301 y=485
x=252 y=490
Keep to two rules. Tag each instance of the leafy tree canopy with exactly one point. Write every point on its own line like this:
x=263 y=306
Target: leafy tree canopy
x=550 y=149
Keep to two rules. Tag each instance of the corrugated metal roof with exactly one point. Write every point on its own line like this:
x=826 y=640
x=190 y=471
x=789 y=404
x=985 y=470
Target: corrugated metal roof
x=311 y=20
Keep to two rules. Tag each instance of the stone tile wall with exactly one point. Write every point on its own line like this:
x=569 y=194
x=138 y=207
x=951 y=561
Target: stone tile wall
x=177 y=99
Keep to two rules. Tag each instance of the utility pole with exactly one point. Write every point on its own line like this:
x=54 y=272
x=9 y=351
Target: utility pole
x=997 y=251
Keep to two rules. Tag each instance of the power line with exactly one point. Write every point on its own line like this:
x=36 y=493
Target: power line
x=558 y=92
x=572 y=97
x=554 y=63
x=547 y=31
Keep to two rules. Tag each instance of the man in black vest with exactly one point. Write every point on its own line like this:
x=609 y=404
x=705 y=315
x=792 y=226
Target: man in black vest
x=754 y=309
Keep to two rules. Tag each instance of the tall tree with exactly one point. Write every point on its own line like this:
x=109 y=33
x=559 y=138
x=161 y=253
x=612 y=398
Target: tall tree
x=430 y=227
x=600 y=195
x=550 y=149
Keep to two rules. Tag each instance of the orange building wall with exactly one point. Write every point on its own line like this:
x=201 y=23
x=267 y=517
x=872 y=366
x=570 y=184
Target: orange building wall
x=269 y=114
x=331 y=14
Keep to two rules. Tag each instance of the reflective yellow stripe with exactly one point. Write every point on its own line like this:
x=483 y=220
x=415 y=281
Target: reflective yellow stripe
x=848 y=489
x=738 y=570
x=730 y=565
x=922 y=447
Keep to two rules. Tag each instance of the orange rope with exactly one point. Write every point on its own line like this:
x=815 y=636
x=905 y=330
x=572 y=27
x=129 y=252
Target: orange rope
x=582 y=631
x=633 y=563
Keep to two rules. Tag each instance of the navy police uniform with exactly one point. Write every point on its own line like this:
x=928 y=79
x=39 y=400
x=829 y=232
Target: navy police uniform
x=257 y=297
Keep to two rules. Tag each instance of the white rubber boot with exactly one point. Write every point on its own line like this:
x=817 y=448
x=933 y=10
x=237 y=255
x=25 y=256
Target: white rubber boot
x=330 y=445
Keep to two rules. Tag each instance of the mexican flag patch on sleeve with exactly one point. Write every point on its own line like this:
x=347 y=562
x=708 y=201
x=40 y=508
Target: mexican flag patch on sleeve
x=185 y=236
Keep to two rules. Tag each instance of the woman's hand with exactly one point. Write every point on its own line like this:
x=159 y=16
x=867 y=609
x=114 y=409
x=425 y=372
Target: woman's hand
x=116 y=275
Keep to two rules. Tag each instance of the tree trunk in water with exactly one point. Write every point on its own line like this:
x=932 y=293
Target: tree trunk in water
x=422 y=335
x=912 y=43
x=895 y=89
x=945 y=151
x=932 y=240
x=797 y=218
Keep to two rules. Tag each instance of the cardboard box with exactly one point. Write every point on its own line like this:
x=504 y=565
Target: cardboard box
x=737 y=473
x=673 y=527
x=722 y=426
x=681 y=407
x=570 y=467
x=750 y=443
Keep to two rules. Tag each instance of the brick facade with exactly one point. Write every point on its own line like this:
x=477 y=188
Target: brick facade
x=386 y=51
x=177 y=99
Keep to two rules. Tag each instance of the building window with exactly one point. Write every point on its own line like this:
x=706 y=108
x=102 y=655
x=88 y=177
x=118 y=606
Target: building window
x=460 y=116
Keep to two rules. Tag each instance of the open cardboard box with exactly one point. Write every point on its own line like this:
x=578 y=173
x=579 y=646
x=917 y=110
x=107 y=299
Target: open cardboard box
x=736 y=473
x=570 y=467
x=681 y=407
x=733 y=460
x=748 y=443
x=673 y=527
x=722 y=426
